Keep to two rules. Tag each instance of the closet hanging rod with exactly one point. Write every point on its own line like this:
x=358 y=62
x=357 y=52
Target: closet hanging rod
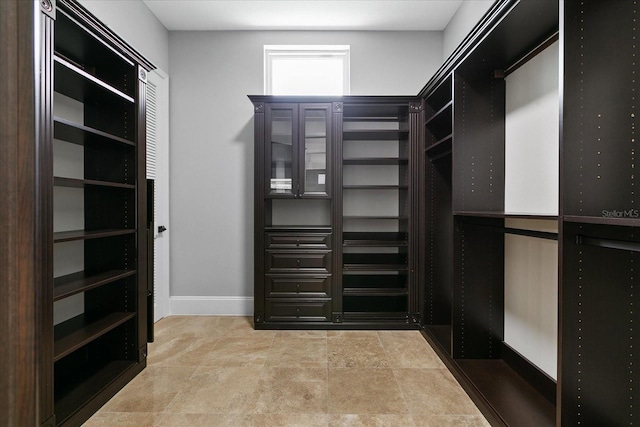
x=608 y=243
x=518 y=231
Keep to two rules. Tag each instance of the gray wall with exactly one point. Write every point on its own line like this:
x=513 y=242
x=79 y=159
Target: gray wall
x=466 y=17
x=135 y=23
x=212 y=138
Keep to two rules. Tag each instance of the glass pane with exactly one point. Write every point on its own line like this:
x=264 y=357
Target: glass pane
x=281 y=151
x=315 y=151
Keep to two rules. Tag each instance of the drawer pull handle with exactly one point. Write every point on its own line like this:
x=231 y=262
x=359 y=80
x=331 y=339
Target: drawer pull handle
x=298 y=262
x=298 y=242
x=298 y=312
x=298 y=287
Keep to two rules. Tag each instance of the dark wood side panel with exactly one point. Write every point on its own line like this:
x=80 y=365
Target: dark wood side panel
x=478 y=289
x=259 y=213
x=19 y=250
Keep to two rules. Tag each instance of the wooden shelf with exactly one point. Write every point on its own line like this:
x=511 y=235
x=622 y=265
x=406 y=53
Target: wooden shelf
x=83 y=183
x=374 y=135
x=389 y=217
x=440 y=148
x=374 y=291
x=72 y=81
x=488 y=214
x=375 y=187
x=374 y=262
x=622 y=222
x=71 y=284
x=79 y=331
x=374 y=239
x=68 y=236
x=86 y=387
x=441 y=113
x=75 y=133
x=514 y=399
x=375 y=161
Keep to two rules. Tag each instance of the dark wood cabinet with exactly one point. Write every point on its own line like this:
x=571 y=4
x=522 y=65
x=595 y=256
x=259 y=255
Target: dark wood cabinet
x=334 y=212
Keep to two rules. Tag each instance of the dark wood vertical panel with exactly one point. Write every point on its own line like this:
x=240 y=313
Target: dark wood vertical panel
x=336 y=220
x=259 y=211
x=415 y=136
x=141 y=220
x=19 y=249
x=44 y=220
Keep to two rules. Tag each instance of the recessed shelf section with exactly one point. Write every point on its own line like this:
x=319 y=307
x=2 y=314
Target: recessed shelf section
x=71 y=284
x=75 y=133
x=83 y=183
x=80 y=47
x=80 y=330
x=69 y=236
x=393 y=284
x=83 y=386
x=375 y=304
x=379 y=135
x=440 y=148
x=374 y=261
x=444 y=114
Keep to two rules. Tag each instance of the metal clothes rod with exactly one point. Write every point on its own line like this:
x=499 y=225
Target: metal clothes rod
x=608 y=243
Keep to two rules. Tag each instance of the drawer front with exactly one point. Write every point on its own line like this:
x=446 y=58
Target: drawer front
x=298 y=240
x=277 y=310
x=297 y=286
x=298 y=261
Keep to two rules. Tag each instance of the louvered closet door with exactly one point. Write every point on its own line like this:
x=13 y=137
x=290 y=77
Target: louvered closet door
x=157 y=169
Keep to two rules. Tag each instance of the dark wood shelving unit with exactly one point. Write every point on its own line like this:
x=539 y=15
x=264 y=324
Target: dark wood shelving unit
x=463 y=203
x=93 y=98
x=71 y=284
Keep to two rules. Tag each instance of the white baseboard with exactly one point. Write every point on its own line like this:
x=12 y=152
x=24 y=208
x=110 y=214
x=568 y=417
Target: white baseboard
x=215 y=306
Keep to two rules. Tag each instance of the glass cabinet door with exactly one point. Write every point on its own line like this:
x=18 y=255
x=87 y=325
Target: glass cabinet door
x=314 y=149
x=281 y=122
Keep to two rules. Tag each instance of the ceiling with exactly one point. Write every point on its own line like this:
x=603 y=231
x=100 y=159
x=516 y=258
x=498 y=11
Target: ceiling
x=362 y=15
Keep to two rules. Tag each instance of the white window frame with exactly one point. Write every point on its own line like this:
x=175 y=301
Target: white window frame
x=272 y=52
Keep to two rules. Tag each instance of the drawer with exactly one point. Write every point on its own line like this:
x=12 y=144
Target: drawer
x=297 y=286
x=298 y=261
x=287 y=310
x=298 y=240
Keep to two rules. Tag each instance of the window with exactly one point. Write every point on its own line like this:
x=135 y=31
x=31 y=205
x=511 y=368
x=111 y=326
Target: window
x=306 y=70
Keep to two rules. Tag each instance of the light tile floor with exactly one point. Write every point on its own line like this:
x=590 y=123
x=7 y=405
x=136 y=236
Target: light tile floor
x=218 y=371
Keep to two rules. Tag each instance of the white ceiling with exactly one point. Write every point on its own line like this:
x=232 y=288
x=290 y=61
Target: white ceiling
x=363 y=15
